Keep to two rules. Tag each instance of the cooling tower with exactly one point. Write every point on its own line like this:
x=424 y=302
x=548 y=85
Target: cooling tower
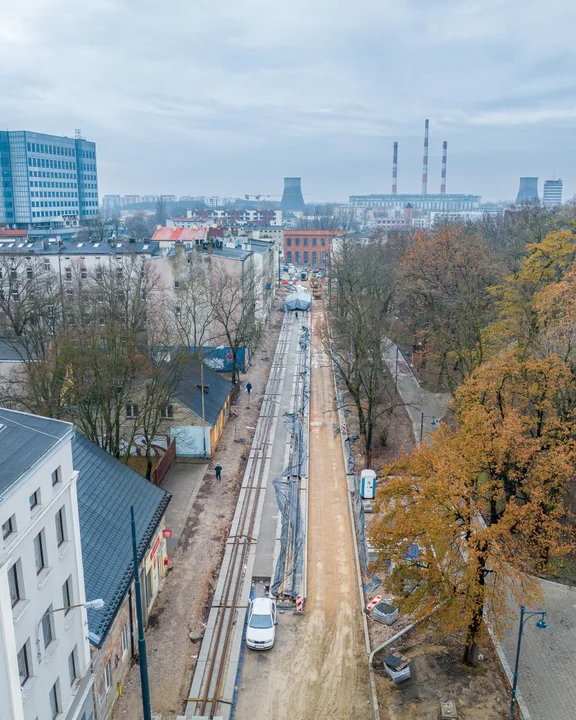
x=528 y=191
x=292 y=199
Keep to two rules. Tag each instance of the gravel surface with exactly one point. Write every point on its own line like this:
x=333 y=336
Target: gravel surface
x=182 y=607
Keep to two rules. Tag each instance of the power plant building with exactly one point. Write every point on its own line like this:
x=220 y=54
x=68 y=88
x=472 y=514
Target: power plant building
x=292 y=199
x=528 y=191
x=552 y=196
x=431 y=203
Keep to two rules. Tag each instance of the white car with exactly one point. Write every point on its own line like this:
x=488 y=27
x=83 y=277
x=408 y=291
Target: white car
x=261 y=630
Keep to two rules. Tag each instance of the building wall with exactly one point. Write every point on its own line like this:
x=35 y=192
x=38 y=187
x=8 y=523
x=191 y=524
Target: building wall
x=116 y=651
x=308 y=247
x=39 y=592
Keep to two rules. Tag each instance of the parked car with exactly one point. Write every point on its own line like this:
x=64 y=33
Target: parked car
x=261 y=630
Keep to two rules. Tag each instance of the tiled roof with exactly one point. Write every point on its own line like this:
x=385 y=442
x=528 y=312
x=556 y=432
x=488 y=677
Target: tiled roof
x=180 y=234
x=40 y=247
x=24 y=439
x=106 y=490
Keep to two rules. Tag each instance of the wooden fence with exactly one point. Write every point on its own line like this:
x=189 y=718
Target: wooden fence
x=164 y=464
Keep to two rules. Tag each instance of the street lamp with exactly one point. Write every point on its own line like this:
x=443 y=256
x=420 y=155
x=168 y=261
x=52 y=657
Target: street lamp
x=434 y=424
x=89 y=605
x=542 y=625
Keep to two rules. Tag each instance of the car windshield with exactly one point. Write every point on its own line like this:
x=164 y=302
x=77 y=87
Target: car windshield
x=260 y=621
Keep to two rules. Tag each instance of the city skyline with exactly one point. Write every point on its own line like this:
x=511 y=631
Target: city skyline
x=303 y=91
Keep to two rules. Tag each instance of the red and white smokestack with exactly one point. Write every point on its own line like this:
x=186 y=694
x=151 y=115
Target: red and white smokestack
x=425 y=165
x=444 y=153
x=395 y=170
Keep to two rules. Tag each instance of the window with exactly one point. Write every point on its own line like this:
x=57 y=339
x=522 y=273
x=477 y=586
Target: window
x=47 y=627
x=124 y=640
x=56 y=476
x=24 y=663
x=83 y=273
x=67 y=598
x=73 y=665
x=177 y=311
x=176 y=284
x=108 y=675
x=68 y=273
x=54 y=701
x=306 y=242
x=15 y=584
x=60 y=526
x=39 y=554
x=289 y=242
x=47 y=265
x=314 y=242
x=35 y=499
x=168 y=412
x=9 y=527
x=131 y=410
x=297 y=241
x=29 y=273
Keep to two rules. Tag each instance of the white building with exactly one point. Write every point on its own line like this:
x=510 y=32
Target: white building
x=552 y=193
x=44 y=648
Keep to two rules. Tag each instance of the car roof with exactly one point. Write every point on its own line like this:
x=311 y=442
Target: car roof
x=261 y=606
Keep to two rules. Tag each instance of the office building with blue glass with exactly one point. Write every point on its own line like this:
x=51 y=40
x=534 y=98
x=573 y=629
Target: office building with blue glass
x=46 y=181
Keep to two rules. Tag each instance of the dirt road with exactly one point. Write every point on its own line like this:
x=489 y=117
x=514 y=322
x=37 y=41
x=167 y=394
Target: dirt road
x=319 y=667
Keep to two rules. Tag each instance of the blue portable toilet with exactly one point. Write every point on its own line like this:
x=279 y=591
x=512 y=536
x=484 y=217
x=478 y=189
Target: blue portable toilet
x=368 y=484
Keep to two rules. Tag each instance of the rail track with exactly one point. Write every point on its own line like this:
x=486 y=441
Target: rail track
x=212 y=690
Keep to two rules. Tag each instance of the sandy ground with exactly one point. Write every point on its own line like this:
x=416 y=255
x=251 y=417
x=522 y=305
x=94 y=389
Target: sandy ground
x=437 y=674
x=184 y=602
x=319 y=667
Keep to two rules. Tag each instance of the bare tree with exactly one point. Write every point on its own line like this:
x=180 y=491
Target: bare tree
x=233 y=303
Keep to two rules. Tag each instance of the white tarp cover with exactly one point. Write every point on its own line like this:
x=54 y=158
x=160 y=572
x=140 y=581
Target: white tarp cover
x=298 y=301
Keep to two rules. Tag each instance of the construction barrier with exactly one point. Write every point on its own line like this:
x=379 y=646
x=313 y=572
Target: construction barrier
x=373 y=603
x=299 y=604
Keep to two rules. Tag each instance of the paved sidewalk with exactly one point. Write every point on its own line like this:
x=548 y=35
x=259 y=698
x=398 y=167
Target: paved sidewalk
x=416 y=399
x=547 y=671
x=183 y=480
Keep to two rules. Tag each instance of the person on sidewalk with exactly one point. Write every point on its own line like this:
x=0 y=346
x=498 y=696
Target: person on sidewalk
x=218 y=470
x=249 y=390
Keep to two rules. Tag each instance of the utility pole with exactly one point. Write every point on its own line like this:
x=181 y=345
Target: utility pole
x=141 y=641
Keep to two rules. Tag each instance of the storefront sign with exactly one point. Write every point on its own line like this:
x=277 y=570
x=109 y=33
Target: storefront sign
x=167 y=533
x=155 y=547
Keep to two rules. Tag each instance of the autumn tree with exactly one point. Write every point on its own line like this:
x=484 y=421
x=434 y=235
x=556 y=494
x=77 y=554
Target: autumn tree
x=442 y=554
x=443 y=297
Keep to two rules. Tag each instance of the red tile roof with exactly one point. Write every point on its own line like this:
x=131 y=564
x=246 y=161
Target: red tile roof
x=179 y=234
x=13 y=233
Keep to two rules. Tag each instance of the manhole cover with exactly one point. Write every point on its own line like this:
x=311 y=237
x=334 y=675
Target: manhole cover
x=448 y=708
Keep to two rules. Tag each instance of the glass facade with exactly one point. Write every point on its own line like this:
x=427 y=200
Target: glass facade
x=44 y=178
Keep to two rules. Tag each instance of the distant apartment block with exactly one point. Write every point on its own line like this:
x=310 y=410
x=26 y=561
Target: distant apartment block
x=552 y=193
x=46 y=181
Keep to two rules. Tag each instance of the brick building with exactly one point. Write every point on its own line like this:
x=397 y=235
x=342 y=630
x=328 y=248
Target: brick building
x=308 y=247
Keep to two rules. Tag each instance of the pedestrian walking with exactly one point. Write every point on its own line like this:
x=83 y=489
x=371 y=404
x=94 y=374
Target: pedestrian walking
x=218 y=470
x=249 y=390
x=296 y=314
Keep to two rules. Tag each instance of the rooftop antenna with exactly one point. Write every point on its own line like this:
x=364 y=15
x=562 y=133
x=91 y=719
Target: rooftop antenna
x=395 y=170
x=78 y=134
x=425 y=163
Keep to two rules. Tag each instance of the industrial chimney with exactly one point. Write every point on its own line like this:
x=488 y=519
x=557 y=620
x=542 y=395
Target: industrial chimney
x=425 y=164
x=395 y=170
x=528 y=191
x=443 y=180
x=292 y=199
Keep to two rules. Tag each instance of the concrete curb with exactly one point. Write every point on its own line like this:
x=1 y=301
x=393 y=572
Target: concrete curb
x=373 y=695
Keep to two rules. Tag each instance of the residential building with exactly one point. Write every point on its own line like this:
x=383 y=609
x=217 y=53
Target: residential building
x=107 y=488
x=47 y=182
x=44 y=649
x=149 y=198
x=191 y=235
x=111 y=205
x=130 y=200
x=230 y=217
x=308 y=247
x=552 y=193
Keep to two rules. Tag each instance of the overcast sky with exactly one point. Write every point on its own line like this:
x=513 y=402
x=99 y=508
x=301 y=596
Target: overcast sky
x=226 y=97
